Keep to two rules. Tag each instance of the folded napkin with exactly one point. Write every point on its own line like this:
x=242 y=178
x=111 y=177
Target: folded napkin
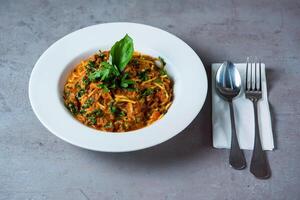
x=244 y=115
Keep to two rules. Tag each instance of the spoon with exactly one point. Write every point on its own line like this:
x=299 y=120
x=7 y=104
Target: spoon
x=228 y=86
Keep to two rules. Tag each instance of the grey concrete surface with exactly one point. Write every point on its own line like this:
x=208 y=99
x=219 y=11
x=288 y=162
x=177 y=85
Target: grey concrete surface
x=34 y=164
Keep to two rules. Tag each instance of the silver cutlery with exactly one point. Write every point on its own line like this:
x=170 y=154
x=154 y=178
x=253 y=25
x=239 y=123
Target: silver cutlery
x=259 y=166
x=228 y=86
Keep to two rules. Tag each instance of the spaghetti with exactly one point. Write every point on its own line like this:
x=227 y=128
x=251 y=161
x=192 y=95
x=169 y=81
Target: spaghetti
x=144 y=96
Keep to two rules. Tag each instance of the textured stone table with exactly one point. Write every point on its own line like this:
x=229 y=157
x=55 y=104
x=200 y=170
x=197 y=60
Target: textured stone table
x=34 y=164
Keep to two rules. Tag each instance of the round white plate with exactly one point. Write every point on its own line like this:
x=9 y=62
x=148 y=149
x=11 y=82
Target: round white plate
x=49 y=75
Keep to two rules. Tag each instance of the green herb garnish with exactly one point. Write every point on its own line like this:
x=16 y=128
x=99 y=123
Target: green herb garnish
x=109 y=71
x=92 y=120
x=131 y=89
x=158 y=80
x=106 y=72
x=162 y=72
x=147 y=92
x=72 y=108
x=143 y=76
x=77 y=86
x=112 y=85
x=108 y=125
x=88 y=103
x=91 y=66
x=135 y=63
x=116 y=111
x=104 y=87
x=97 y=113
x=122 y=113
x=126 y=82
x=66 y=93
x=121 y=52
x=112 y=108
x=82 y=111
x=92 y=117
x=85 y=80
x=80 y=93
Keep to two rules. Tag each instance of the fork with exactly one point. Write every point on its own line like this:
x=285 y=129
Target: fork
x=259 y=166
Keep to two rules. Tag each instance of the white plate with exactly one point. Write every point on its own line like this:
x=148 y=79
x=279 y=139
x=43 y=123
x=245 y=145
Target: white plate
x=49 y=75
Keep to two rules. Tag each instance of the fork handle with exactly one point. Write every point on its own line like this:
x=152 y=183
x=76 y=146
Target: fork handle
x=259 y=166
x=236 y=157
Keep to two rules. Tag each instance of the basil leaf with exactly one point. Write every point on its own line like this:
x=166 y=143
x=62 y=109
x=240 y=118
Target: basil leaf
x=121 y=52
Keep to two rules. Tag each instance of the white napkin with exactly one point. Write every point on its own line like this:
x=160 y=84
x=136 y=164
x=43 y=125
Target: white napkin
x=244 y=116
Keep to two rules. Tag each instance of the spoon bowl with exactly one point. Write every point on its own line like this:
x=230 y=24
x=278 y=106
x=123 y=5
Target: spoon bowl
x=228 y=81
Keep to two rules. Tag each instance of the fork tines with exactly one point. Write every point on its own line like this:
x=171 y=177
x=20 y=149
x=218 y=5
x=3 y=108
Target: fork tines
x=253 y=76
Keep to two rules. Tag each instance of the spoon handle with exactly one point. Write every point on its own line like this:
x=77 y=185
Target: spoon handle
x=236 y=157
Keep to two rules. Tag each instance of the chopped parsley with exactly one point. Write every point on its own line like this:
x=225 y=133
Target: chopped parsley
x=116 y=111
x=147 y=92
x=143 y=76
x=72 y=108
x=91 y=66
x=158 y=80
x=135 y=62
x=112 y=108
x=66 y=93
x=82 y=111
x=106 y=72
x=78 y=85
x=80 y=93
x=92 y=120
x=92 y=117
x=97 y=113
x=162 y=72
x=131 y=89
x=122 y=113
x=126 y=82
x=104 y=87
x=88 y=103
x=85 y=81
x=108 y=125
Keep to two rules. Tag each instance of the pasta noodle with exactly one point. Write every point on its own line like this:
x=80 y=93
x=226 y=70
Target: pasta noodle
x=117 y=109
